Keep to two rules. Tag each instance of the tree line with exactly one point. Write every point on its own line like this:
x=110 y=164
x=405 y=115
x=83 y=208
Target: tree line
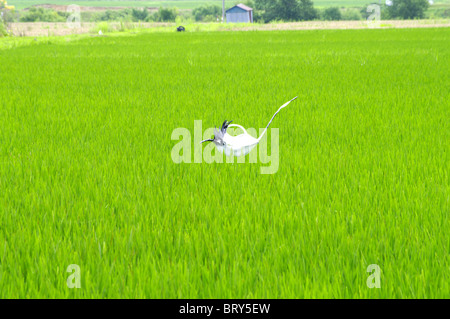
x=303 y=10
x=264 y=11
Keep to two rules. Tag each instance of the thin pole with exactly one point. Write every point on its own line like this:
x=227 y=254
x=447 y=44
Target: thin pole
x=223 y=10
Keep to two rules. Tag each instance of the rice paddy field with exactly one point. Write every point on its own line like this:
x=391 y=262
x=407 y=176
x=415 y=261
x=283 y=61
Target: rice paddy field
x=87 y=177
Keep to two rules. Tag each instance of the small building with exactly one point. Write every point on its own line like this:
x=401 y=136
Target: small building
x=240 y=14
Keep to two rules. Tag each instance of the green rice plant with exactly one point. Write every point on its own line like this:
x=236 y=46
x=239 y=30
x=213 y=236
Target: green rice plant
x=104 y=27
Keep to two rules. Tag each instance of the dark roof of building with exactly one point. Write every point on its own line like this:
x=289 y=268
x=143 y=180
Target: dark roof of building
x=242 y=6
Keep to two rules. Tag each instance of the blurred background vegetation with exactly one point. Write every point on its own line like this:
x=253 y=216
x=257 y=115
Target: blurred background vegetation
x=264 y=11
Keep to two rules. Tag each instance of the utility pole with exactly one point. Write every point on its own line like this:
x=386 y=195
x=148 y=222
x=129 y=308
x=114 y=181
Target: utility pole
x=223 y=10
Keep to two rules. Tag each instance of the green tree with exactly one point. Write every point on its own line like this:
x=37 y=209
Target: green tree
x=165 y=15
x=249 y=3
x=288 y=10
x=207 y=13
x=332 y=13
x=139 y=15
x=43 y=15
x=307 y=10
x=408 y=9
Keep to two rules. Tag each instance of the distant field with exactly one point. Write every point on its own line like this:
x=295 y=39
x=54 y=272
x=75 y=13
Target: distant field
x=86 y=174
x=182 y=4
x=116 y=3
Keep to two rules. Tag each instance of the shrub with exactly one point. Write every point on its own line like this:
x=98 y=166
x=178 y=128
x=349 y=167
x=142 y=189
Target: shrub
x=164 y=15
x=332 y=13
x=3 y=31
x=115 y=15
x=139 y=15
x=351 y=14
x=167 y=14
x=444 y=13
x=207 y=13
x=102 y=26
x=43 y=15
x=8 y=16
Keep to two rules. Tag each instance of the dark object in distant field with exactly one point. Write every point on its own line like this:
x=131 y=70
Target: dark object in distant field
x=180 y=28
